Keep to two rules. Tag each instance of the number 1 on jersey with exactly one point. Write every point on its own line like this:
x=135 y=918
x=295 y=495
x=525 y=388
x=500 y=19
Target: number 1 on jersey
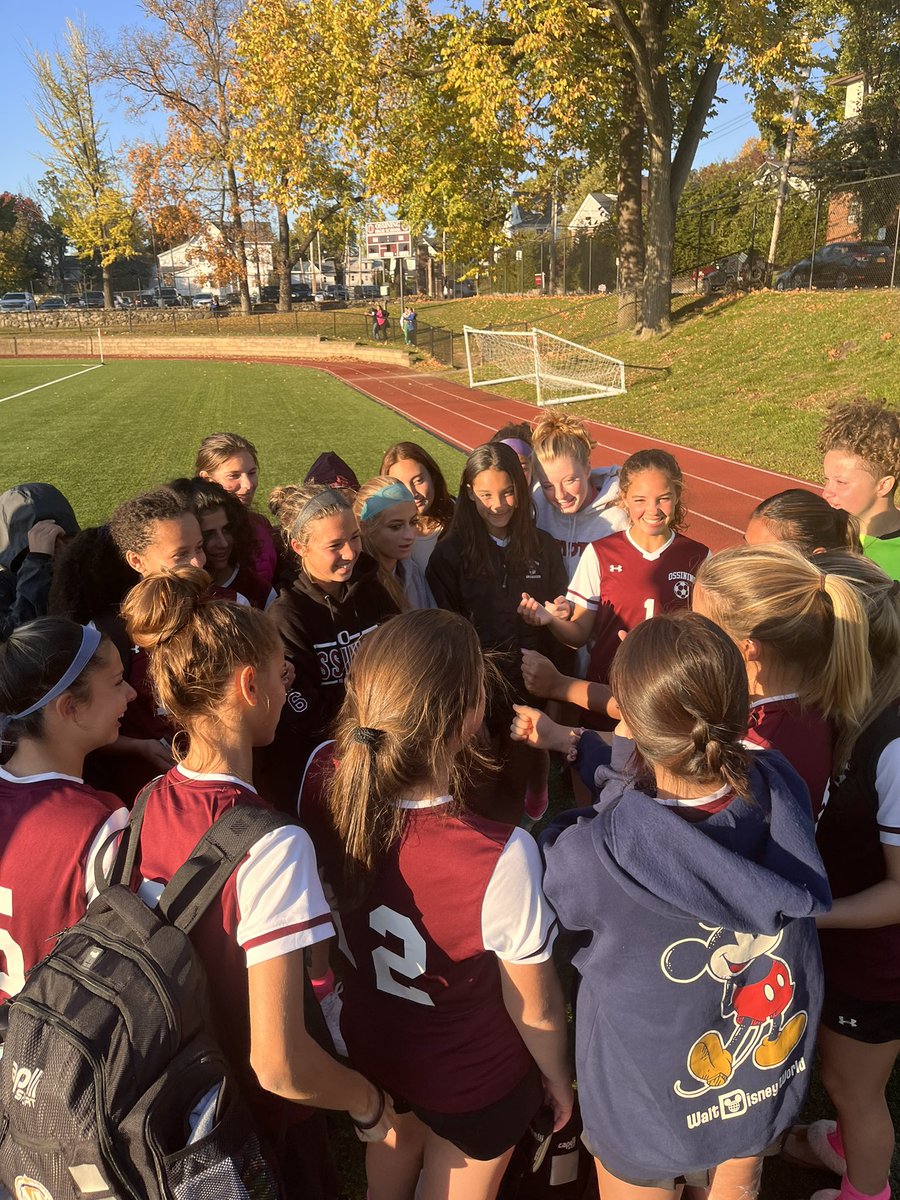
x=649 y=606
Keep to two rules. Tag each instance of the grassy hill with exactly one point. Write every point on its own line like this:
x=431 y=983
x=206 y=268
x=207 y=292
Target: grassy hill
x=747 y=377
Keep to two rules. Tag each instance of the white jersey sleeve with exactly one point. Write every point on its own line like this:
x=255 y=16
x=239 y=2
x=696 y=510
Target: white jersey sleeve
x=279 y=895
x=887 y=788
x=584 y=590
x=107 y=845
x=517 y=922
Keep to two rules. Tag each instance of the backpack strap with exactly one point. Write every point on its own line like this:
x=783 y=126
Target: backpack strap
x=123 y=865
x=220 y=850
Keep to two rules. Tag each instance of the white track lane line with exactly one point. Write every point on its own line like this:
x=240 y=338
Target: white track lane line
x=50 y=383
x=600 y=427
x=524 y=409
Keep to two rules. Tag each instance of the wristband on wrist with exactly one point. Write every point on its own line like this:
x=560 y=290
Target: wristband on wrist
x=365 y=1126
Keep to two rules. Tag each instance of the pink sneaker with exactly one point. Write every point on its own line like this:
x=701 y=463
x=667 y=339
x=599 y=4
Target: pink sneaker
x=536 y=804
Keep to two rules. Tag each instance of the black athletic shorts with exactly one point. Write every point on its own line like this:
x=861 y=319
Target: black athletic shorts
x=873 y=1021
x=488 y=1132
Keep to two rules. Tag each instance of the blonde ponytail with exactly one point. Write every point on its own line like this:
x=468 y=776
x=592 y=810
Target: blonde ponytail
x=814 y=626
x=847 y=675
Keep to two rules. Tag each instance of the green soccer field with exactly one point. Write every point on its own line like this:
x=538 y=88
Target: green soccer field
x=107 y=434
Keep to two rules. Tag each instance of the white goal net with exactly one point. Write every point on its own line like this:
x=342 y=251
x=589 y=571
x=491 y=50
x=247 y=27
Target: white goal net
x=561 y=371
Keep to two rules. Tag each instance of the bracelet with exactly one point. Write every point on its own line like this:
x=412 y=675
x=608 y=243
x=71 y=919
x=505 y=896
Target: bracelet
x=365 y=1126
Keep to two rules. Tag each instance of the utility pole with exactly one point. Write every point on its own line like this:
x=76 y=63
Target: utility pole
x=802 y=76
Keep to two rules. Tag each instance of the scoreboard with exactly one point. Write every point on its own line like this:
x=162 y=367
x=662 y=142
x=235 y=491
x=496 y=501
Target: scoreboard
x=388 y=239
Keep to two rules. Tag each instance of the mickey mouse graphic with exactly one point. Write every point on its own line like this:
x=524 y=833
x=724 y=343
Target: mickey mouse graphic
x=757 y=991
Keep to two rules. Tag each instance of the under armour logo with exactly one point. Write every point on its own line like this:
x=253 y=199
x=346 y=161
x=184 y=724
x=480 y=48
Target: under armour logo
x=615 y=567
x=851 y=1021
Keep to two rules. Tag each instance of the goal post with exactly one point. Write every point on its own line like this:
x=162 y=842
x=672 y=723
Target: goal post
x=561 y=371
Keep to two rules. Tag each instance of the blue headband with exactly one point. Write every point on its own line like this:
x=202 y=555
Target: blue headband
x=90 y=640
x=392 y=493
x=518 y=445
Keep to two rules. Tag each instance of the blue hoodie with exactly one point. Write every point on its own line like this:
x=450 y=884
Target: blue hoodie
x=701 y=978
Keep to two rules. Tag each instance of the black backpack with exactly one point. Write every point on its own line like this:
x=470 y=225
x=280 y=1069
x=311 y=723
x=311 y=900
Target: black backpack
x=551 y=1166
x=111 y=1084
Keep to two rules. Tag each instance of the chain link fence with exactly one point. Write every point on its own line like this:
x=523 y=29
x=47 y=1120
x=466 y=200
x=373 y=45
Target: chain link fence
x=832 y=236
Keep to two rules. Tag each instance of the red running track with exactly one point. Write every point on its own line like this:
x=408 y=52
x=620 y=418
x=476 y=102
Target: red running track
x=721 y=492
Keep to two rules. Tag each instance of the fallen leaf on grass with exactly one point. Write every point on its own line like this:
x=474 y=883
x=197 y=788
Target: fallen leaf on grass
x=835 y=354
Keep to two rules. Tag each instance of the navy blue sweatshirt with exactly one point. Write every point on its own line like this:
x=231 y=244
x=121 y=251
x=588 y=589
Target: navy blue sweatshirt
x=701 y=978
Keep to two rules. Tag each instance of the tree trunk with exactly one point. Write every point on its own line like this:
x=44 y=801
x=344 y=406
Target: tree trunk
x=237 y=222
x=107 y=288
x=630 y=227
x=660 y=234
x=284 y=261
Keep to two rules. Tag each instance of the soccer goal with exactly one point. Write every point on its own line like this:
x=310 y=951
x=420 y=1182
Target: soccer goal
x=561 y=371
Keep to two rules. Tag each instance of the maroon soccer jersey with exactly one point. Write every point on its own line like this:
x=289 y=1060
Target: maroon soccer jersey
x=272 y=905
x=423 y=1011
x=143 y=717
x=803 y=735
x=243 y=583
x=51 y=829
x=625 y=585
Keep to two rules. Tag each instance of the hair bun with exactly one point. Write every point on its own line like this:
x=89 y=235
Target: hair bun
x=159 y=606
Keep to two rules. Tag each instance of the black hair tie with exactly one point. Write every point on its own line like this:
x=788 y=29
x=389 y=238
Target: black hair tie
x=367 y=736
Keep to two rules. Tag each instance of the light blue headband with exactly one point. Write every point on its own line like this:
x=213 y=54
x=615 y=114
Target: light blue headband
x=90 y=640
x=392 y=493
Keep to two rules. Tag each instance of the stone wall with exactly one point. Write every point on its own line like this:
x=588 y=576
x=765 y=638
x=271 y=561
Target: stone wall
x=223 y=346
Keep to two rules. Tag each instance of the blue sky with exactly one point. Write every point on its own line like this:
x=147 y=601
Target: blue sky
x=40 y=22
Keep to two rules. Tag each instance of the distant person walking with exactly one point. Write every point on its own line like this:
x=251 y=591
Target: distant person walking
x=408 y=325
x=379 y=317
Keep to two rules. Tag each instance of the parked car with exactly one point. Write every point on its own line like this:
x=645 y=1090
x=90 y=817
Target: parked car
x=147 y=300
x=785 y=281
x=368 y=291
x=735 y=271
x=73 y=301
x=842 y=265
x=231 y=299
x=301 y=292
x=202 y=300
x=120 y=301
x=51 y=304
x=168 y=297
x=269 y=294
x=94 y=300
x=17 y=302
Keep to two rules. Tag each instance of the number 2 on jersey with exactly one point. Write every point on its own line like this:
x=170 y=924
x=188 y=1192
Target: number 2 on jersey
x=388 y=964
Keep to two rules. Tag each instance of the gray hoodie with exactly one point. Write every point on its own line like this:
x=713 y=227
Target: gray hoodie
x=575 y=531
x=25 y=577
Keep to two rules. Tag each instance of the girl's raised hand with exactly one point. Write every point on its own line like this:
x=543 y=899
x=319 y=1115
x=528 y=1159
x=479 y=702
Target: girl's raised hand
x=561 y=608
x=528 y=725
x=540 y=675
x=534 y=727
x=533 y=612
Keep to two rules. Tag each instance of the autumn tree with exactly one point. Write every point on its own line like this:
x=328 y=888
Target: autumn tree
x=304 y=98
x=93 y=211
x=27 y=244
x=182 y=62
